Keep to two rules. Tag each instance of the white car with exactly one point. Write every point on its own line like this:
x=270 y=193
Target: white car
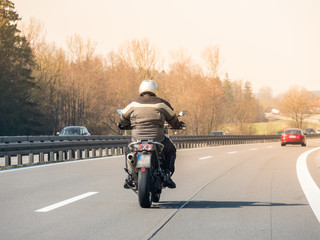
x=75 y=131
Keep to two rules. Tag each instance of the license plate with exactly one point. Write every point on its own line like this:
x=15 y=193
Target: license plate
x=292 y=136
x=143 y=160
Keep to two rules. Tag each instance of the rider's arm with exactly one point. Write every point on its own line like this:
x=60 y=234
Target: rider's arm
x=125 y=115
x=123 y=121
x=171 y=116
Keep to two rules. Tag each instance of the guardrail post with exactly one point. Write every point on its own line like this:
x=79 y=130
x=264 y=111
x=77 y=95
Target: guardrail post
x=60 y=155
x=7 y=160
x=86 y=153
x=51 y=156
x=112 y=150
x=31 y=158
x=100 y=152
x=78 y=154
x=41 y=157
x=94 y=153
x=19 y=157
x=69 y=154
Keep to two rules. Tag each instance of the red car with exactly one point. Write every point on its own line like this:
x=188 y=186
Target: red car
x=293 y=136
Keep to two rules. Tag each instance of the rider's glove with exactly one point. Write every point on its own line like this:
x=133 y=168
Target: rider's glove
x=182 y=125
x=121 y=127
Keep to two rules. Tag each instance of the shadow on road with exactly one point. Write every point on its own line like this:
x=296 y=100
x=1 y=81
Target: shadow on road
x=218 y=204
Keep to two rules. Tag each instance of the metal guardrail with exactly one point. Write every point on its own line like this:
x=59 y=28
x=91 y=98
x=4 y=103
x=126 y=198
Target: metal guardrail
x=41 y=149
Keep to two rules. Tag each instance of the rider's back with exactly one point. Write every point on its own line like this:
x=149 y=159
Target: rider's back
x=147 y=114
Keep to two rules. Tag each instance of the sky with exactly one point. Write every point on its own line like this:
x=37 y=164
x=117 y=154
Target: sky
x=273 y=43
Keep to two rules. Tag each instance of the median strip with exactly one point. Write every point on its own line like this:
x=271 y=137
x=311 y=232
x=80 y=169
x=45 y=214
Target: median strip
x=65 y=202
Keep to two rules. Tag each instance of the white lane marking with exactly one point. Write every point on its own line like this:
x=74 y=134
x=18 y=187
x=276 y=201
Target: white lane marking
x=232 y=152
x=253 y=149
x=270 y=147
x=58 y=163
x=309 y=187
x=207 y=157
x=65 y=202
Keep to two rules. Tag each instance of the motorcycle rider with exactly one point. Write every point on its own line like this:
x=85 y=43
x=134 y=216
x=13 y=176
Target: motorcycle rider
x=147 y=114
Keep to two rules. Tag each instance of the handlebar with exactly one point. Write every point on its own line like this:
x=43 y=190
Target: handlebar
x=181 y=127
x=166 y=126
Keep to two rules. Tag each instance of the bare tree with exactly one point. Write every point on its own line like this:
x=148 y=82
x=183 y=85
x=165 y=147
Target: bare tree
x=143 y=56
x=297 y=104
x=212 y=59
x=214 y=87
x=79 y=49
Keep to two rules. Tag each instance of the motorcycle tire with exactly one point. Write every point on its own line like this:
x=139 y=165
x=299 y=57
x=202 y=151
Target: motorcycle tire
x=144 y=194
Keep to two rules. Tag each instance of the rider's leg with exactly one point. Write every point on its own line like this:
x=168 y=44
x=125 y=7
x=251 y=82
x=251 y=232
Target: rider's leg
x=170 y=155
x=169 y=152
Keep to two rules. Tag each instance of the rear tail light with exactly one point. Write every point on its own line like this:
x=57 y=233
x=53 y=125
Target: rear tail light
x=146 y=147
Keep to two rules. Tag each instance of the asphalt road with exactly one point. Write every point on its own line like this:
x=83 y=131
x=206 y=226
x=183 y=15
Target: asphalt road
x=227 y=192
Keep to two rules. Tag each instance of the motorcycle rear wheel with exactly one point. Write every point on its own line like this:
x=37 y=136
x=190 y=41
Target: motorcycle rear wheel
x=144 y=194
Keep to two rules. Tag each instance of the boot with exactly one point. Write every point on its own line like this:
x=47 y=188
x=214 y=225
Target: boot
x=168 y=181
x=128 y=183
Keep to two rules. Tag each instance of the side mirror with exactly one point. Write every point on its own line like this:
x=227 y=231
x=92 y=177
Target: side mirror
x=119 y=110
x=182 y=113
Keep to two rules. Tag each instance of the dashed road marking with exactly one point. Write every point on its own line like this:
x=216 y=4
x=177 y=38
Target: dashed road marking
x=65 y=202
x=232 y=152
x=207 y=157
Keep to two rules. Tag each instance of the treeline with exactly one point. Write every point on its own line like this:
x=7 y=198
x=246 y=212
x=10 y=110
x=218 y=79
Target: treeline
x=52 y=87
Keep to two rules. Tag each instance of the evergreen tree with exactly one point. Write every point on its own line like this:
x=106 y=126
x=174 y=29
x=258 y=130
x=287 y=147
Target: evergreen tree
x=16 y=84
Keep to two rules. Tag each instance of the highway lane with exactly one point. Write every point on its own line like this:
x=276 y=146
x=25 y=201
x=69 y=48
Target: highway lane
x=225 y=192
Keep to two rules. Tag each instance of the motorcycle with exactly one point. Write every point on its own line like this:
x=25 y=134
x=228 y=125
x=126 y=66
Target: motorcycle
x=144 y=165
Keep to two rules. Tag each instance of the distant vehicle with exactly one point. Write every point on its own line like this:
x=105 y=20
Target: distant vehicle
x=309 y=130
x=293 y=136
x=318 y=130
x=275 y=111
x=218 y=133
x=74 y=131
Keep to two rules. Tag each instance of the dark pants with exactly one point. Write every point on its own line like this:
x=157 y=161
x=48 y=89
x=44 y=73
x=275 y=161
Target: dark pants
x=169 y=152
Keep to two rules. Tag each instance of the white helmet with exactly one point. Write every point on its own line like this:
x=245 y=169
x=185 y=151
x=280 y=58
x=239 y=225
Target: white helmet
x=148 y=86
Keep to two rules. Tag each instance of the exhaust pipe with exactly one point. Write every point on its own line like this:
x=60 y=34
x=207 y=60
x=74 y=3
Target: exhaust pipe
x=131 y=157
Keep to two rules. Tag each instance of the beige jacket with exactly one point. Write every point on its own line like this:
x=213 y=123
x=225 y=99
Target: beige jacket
x=147 y=115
